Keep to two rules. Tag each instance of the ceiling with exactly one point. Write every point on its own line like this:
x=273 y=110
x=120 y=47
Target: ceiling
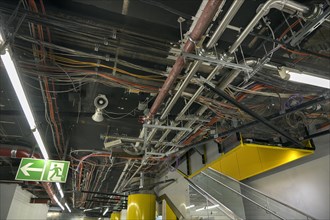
x=70 y=51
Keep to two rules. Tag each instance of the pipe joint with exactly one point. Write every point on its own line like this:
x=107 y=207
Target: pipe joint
x=13 y=153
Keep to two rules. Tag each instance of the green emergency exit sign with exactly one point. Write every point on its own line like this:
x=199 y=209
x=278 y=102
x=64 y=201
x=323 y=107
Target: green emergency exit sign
x=43 y=170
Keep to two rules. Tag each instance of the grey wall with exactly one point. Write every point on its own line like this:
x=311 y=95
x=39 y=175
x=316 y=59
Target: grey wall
x=303 y=184
x=7 y=192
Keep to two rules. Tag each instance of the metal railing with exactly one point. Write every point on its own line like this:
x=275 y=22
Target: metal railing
x=221 y=186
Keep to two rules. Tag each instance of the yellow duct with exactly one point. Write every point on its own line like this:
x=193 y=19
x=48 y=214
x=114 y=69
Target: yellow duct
x=247 y=160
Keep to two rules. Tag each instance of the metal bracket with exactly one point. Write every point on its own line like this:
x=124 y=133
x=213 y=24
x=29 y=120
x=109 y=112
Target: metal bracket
x=218 y=62
x=309 y=28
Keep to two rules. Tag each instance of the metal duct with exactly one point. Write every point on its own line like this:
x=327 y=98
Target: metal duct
x=278 y=4
x=224 y=22
x=202 y=24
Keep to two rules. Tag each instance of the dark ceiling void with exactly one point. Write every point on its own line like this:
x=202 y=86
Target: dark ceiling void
x=122 y=91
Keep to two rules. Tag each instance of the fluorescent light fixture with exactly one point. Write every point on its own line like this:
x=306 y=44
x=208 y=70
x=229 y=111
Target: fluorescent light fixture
x=86 y=210
x=58 y=185
x=301 y=77
x=40 y=143
x=58 y=202
x=17 y=85
x=191 y=206
x=67 y=206
x=15 y=81
x=105 y=211
x=207 y=207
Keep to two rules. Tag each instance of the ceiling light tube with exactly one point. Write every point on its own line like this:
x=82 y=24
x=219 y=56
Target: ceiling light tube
x=40 y=143
x=17 y=85
x=301 y=77
x=67 y=206
x=58 y=185
x=15 y=81
x=58 y=202
x=105 y=211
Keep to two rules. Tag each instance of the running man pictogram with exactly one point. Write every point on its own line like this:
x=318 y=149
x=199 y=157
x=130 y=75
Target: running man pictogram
x=56 y=172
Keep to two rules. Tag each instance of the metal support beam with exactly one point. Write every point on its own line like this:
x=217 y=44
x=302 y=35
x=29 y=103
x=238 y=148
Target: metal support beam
x=167 y=127
x=102 y=193
x=251 y=113
x=218 y=62
x=309 y=28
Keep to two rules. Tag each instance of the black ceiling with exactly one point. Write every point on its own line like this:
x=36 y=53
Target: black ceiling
x=90 y=48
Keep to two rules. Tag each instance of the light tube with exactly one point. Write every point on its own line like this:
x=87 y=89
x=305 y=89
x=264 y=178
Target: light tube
x=301 y=77
x=191 y=206
x=60 y=190
x=15 y=81
x=17 y=85
x=58 y=202
x=40 y=143
x=106 y=210
x=308 y=79
x=67 y=206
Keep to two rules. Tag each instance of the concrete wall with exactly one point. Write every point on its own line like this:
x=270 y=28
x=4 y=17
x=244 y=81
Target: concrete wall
x=303 y=184
x=16 y=202
x=7 y=192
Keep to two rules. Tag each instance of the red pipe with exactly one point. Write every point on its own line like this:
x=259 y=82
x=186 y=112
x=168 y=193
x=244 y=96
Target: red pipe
x=202 y=24
x=16 y=153
x=22 y=153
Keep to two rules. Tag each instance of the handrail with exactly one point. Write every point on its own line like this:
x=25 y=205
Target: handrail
x=207 y=196
x=267 y=196
x=238 y=193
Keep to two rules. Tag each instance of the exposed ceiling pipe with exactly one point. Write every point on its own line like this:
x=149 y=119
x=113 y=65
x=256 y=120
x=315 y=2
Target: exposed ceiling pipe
x=224 y=22
x=201 y=26
x=13 y=152
x=223 y=84
x=278 y=4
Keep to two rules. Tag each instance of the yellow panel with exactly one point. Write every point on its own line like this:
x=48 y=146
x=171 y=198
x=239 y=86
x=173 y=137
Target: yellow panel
x=248 y=161
x=169 y=213
x=141 y=206
x=271 y=158
x=229 y=165
x=115 y=216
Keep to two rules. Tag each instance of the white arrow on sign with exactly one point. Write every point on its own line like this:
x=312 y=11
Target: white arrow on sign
x=27 y=168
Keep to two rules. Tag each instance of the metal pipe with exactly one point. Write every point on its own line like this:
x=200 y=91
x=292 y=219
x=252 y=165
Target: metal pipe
x=234 y=73
x=202 y=24
x=251 y=113
x=224 y=22
x=129 y=180
x=167 y=127
x=121 y=175
x=278 y=4
x=182 y=87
